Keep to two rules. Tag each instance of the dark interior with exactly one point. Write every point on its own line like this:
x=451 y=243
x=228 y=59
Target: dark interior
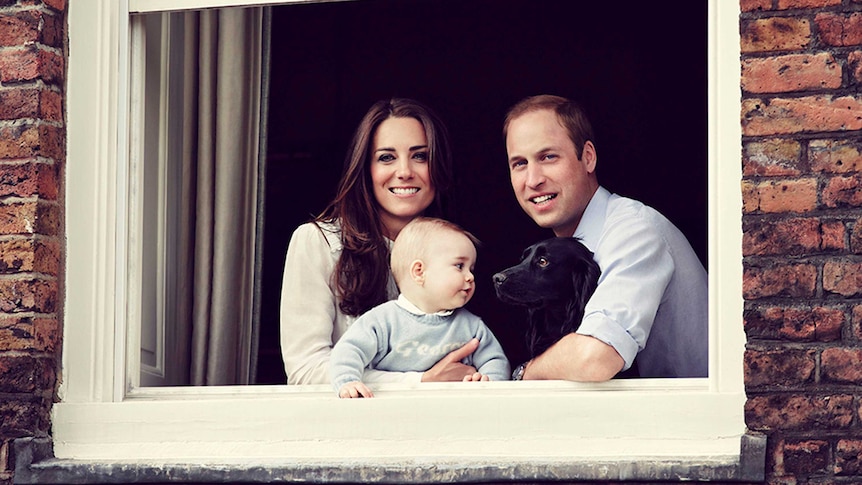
x=639 y=69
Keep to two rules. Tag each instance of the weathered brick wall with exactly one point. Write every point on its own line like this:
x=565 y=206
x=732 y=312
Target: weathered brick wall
x=802 y=190
x=32 y=151
x=802 y=243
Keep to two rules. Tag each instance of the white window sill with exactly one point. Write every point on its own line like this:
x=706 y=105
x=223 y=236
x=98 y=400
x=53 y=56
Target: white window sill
x=499 y=431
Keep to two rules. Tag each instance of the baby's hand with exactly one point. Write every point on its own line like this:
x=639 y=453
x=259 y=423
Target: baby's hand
x=355 y=389
x=476 y=377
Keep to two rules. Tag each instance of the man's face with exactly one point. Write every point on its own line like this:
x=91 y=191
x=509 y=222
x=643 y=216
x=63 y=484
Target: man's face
x=550 y=182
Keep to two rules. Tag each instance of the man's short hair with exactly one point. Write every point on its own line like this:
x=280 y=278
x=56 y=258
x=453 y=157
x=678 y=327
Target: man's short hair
x=571 y=115
x=412 y=243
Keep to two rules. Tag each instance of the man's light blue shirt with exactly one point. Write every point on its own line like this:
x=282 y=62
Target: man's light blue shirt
x=651 y=301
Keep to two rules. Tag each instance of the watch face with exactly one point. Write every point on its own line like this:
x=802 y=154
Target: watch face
x=518 y=374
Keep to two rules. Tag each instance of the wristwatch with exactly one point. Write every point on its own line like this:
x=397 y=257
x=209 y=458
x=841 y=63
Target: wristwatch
x=518 y=373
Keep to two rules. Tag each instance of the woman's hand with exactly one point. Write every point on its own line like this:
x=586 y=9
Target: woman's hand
x=450 y=367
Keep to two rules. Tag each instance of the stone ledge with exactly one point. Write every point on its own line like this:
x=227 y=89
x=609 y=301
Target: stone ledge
x=35 y=464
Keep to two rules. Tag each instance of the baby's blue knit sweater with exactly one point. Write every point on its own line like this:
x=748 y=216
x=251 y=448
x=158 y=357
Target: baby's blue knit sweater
x=390 y=338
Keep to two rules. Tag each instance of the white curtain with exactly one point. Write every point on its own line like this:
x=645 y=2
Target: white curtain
x=221 y=133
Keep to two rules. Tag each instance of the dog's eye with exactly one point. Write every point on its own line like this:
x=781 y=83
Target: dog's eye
x=542 y=262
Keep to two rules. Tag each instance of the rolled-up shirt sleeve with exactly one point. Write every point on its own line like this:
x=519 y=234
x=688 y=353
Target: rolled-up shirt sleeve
x=636 y=268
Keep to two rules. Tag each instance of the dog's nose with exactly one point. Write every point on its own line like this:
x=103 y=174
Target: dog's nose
x=499 y=278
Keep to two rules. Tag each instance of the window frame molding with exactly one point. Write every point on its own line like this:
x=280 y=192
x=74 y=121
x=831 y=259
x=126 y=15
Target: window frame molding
x=102 y=415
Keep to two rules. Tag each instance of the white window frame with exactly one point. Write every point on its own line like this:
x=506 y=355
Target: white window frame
x=103 y=416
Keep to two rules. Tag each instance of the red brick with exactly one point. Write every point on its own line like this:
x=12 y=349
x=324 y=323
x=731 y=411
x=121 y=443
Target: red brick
x=788 y=237
x=25 y=417
x=795 y=72
x=32 y=179
x=772 y=157
x=800 y=115
x=799 y=412
x=26 y=218
x=30 y=255
x=791 y=280
x=840 y=30
x=857 y=322
x=31 y=140
x=800 y=324
x=753 y=5
x=19 y=28
x=787 y=4
x=19 y=103
x=56 y=4
x=775 y=34
x=835 y=156
x=25 y=374
x=843 y=192
x=29 y=64
x=50 y=105
x=762 y=322
x=828 y=323
x=29 y=333
x=856 y=237
x=785 y=367
x=52 y=30
x=28 y=295
x=780 y=196
x=854 y=67
x=750 y=196
x=848 y=457
x=841 y=365
x=31 y=103
x=833 y=234
x=806 y=457
x=842 y=277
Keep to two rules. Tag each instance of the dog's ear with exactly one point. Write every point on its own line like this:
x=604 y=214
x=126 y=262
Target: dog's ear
x=417 y=272
x=584 y=279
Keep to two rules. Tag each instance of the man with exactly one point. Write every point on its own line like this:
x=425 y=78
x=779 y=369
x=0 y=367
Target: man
x=651 y=300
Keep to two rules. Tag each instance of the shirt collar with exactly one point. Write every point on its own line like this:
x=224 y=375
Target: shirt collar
x=590 y=228
x=406 y=304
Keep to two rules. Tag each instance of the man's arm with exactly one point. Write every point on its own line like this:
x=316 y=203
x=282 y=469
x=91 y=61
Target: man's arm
x=576 y=357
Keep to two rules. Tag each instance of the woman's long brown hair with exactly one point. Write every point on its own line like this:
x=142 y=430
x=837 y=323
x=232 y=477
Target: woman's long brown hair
x=362 y=271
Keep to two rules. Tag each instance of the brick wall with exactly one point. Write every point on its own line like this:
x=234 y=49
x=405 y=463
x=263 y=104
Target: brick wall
x=32 y=151
x=802 y=221
x=802 y=243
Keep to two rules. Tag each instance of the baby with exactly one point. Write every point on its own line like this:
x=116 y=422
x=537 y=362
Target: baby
x=432 y=261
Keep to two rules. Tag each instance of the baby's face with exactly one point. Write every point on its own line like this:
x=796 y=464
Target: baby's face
x=449 y=281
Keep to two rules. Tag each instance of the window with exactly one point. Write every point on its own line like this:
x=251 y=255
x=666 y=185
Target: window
x=524 y=430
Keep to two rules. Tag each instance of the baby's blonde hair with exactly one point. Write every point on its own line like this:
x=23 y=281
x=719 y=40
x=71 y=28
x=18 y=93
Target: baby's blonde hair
x=412 y=243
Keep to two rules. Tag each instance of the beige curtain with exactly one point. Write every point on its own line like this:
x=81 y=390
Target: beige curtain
x=221 y=133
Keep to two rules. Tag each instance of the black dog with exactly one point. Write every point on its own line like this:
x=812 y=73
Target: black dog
x=554 y=280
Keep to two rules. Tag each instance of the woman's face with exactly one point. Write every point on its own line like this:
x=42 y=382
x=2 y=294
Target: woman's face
x=400 y=172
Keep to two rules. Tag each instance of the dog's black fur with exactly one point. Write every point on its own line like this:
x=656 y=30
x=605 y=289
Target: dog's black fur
x=554 y=280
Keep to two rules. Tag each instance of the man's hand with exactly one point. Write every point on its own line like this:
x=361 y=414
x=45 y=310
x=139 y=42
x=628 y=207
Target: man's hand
x=576 y=357
x=355 y=389
x=450 y=367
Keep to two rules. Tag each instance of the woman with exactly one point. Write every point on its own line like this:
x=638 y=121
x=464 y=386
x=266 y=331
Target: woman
x=398 y=167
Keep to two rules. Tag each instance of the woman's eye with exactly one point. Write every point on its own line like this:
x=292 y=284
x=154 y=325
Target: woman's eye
x=542 y=262
x=385 y=157
x=421 y=156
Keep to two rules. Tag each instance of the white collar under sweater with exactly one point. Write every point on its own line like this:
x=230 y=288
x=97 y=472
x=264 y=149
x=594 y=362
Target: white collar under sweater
x=406 y=304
